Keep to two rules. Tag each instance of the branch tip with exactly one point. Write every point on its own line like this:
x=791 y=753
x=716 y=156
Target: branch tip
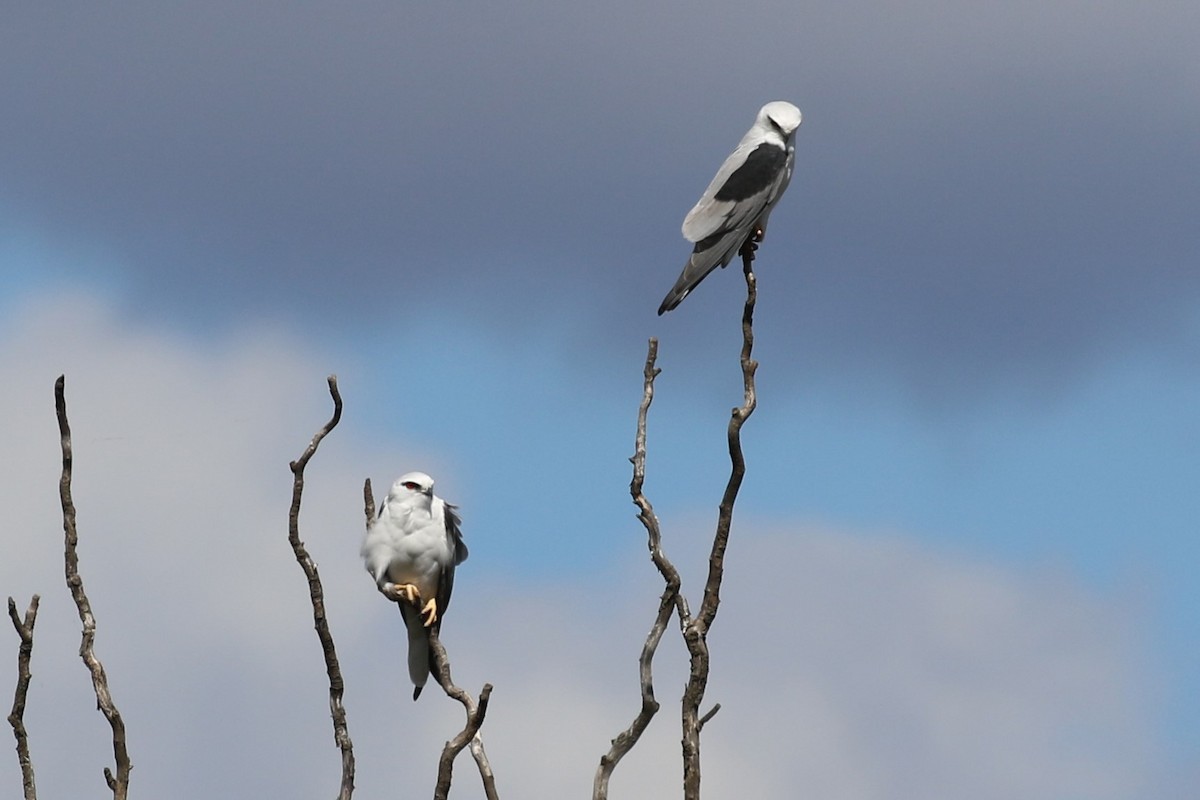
x=119 y=784
x=341 y=731
x=16 y=717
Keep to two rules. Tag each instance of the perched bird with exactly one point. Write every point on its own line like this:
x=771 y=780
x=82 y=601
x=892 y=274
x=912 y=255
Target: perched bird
x=411 y=550
x=735 y=206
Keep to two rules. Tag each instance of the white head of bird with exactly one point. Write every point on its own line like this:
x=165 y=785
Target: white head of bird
x=413 y=489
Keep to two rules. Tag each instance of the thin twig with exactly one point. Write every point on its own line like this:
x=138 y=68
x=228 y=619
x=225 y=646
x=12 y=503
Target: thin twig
x=17 y=717
x=341 y=733
x=695 y=634
x=119 y=784
x=469 y=735
x=671 y=599
x=712 y=712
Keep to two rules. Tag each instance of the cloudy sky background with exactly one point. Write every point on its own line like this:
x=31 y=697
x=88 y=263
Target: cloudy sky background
x=965 y=552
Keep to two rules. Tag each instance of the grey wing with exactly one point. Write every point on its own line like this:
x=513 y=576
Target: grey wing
x=747 y=183
x=737 y=200
x=459 y=554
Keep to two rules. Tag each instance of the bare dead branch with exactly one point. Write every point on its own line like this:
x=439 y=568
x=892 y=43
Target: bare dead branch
x=645 y=510
x=368 y=502
x=485 y=768
x=119 y=784
x=695 y=633
x=469 y=735
x=625 y=741
x=671 y=599
x=712 y=712
x=738 y=417
x=17 y=717
x=341 y=733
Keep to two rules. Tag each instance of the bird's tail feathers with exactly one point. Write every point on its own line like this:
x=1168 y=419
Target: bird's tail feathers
x=418 y=648
x=703 y=260
x=678 y=292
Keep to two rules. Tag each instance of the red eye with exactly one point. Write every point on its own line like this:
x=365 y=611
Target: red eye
x=411 y=486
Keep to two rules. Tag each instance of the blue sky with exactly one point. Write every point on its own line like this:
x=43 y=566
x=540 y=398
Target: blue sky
x=978 y=327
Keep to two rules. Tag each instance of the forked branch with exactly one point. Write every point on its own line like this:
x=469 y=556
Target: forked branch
x=119 y=783
x=737 y=418
x=695 y=633
x=16 y=718
x=469 y=735
x=670 y=601
x=341 y=732
x=694 y=629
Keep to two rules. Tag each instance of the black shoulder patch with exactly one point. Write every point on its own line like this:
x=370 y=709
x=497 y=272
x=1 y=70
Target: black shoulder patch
x=759 y=171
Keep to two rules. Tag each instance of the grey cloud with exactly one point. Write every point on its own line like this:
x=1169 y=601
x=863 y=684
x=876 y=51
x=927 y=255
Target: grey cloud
x=981 y=194
x=861 y=665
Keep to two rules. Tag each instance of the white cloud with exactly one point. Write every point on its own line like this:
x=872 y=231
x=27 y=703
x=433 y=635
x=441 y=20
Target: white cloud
x=847 y=666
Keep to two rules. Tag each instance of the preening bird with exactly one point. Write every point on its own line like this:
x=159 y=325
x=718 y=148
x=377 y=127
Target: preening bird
x=735 y=206
x=411 y=550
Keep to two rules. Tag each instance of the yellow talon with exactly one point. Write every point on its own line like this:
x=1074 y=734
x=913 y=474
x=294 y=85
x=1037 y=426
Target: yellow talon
x=406 y=591
x=430 y=610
